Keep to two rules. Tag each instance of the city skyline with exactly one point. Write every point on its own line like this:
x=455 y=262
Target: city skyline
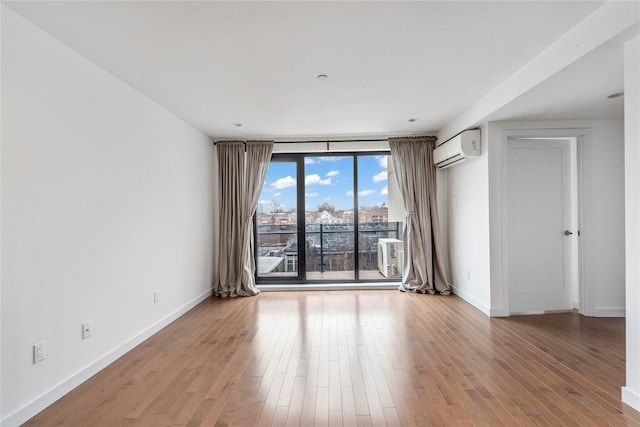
x=327 y=179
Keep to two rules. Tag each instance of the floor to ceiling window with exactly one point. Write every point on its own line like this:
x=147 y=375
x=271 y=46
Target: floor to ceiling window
x=328 y=218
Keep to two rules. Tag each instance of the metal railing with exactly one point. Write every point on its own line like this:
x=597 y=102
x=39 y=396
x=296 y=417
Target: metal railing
x=327 y=242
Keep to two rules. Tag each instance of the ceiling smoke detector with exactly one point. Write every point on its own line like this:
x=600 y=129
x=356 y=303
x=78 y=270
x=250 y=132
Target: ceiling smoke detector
x=322 y=77
x=615 y=95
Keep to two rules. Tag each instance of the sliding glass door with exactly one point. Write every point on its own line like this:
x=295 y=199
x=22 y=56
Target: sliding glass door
x=327 y=218
x=380 y=216
x=278 y=223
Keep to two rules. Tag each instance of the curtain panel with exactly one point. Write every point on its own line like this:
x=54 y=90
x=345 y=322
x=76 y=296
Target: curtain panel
x=242 y=168
x=424 y=270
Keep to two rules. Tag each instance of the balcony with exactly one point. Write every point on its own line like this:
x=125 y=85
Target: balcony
x=329 y=251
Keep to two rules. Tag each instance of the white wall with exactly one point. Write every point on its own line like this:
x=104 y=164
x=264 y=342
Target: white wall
x=631 y=391
x=106 y=197
x=396 y=212
x=477 y=241
x=1 y=9
x=468 y=228
x=604 y=263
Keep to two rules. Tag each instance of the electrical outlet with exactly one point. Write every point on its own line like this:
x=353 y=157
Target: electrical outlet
x=39 y=352
x=156 y=297
x=86 y=330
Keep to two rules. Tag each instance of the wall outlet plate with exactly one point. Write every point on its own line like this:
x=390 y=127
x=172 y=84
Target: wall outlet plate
x=39 y=352
x=86 y=330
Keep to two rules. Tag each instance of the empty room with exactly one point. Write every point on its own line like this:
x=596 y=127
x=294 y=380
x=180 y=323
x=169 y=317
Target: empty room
x=339 y=213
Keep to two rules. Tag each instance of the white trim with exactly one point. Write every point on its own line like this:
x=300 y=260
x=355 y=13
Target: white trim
x=38 y=404
x=583 y=150
x=471 y=300
x=631 y=398
x=609 y=312
x=499 y=312
x=330 y=287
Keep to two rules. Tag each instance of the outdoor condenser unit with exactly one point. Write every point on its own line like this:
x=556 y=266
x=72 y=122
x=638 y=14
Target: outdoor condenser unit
x=390 y=257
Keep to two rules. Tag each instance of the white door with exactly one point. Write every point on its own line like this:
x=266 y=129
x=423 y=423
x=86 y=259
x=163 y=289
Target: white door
x=539 y=223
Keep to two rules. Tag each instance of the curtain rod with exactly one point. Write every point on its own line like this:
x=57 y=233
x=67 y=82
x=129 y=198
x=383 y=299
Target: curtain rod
x=335 y=140
x=329 y=140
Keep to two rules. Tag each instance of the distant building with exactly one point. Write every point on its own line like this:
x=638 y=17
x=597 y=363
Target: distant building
x=326 y=218
x=373 y=214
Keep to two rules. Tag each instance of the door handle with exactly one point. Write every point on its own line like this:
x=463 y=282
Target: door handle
x=567 y=233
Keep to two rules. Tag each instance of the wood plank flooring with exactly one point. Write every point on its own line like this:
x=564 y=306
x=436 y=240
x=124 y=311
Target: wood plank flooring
x=359 y=358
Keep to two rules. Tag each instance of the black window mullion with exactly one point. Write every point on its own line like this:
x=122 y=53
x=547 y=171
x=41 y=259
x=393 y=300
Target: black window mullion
x=302 y=226
x=356 y=221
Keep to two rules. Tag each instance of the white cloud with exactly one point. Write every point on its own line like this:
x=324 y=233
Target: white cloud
x=382 y=176
x=316 y=180
x=282 y=183
x=382 y=161
x=366 y=192
x=349 y=193
x=264 y=202
x=277 y=194
x=316 y=194
x=384 y=191
x=333 y=173
x=321 y=159
x=327 y=198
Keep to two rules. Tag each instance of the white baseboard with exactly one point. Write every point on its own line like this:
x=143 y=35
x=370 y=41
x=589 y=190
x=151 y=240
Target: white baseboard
x=499 y=312
x=38 y=404
x=471 y=300
x=631 y=398
x=609 y=312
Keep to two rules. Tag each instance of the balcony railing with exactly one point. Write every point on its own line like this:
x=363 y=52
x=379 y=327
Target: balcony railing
x=329 y=247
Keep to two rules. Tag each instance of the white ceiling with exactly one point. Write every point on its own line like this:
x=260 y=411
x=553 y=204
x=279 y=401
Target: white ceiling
x=580 y=91
x=255 y=63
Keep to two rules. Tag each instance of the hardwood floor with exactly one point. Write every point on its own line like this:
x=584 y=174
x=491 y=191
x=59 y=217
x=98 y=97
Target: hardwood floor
x=359 y=358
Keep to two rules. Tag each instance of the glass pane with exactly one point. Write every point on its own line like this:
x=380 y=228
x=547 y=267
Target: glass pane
x=379 y=224
x=328 y=186
x=276 y=217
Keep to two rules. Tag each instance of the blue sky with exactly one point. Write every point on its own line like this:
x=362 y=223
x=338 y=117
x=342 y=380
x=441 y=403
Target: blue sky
x=327 y=179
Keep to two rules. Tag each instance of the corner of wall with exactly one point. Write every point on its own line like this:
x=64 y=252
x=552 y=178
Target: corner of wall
x=631 y=391
x=1 y=138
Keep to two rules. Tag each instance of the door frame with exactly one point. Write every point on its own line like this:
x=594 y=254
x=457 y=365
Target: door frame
x=566 y=148
x=582 y=138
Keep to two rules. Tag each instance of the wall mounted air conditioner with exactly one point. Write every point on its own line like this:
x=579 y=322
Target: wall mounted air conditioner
x=457 y=149
x=390 y=257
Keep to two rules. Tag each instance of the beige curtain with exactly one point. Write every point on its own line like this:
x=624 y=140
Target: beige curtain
x=424 y=267
x=241 y=176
